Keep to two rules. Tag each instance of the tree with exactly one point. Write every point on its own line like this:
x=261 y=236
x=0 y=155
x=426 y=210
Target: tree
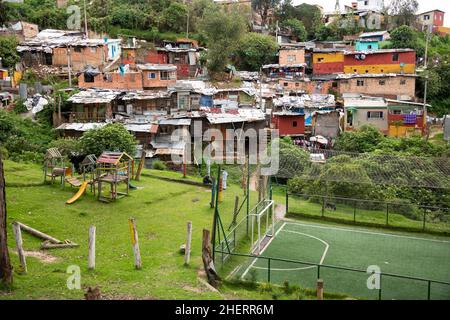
x=403 y=12
x=255 y=50
x=223 y=32
x=8 y=51
x=297 y=28
x=5 y=264
x=364 y=140
x=174 y=17
x=263 y=7
x=404 y=37
x=112 y=137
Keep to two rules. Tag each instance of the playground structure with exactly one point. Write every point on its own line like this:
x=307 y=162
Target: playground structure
x=114 y=168
x=54 y=167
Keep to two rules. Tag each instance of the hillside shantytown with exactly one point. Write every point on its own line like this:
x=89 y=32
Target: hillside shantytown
x=100 y=102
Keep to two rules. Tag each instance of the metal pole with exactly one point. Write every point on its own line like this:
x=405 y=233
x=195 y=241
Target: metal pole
x=69 y=66
x=387 y=214
x=248 y=190
x=216 y=212
x=268 y=271
x=424 y=218
x=85 y=21
x=287 y=201
x=429 y=290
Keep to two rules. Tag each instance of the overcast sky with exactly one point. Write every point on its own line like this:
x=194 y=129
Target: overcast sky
x=424 y=5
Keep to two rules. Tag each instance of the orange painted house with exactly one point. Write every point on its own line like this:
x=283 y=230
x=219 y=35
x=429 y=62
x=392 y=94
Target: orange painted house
x=328 y=61
x=289 y=123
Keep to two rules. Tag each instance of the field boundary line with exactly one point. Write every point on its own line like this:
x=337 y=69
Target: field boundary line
x=366 y=232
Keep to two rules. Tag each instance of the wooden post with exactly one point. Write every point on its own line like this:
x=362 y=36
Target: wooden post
x=213 y=193
x=135 y=243
x=19 y=243
x=141 y=165
x=91 y=256
x=37 y=233
x=5 y=263
x=187 y=253
x=319 y=289
x=208 y=261
x=236 y=207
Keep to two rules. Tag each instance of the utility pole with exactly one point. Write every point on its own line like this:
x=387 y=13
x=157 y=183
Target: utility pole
x=85 y=21
x=260 y=91
x=69 y=66
x=427 y=37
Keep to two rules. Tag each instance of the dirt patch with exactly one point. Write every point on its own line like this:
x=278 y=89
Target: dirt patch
x=192 y=289
x=40 y=255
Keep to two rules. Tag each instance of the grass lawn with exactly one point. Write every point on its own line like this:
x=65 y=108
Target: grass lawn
x=161 y=209
x=358 y=248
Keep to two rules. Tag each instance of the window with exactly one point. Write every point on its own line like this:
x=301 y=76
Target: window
x=395 y=56
x=397 y=112
x=164 y=75
x=426 y=17
x=93 y=49
x=360 y=83
x=319 y=59
x=152 y=75
x=366 y=3
x=374 y=114
x=402 y=82
x=294 y=124
x=297 y=84
x=286 y=84
x=291 y=58
x=369 y=46
x=382 y=82
x=77 y=49
x=335 y=84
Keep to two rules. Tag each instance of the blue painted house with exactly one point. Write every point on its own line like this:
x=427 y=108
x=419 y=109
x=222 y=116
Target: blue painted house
x=367 y=45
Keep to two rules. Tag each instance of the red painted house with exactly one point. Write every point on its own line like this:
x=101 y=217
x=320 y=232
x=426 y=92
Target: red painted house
x=289 y=123
x=402 y=61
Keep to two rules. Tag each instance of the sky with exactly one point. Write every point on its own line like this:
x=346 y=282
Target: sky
x=424 y=5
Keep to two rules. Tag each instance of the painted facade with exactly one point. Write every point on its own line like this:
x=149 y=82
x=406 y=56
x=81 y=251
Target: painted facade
x=289 y=123
x=328 y=62
x=291 y=56
x=380 y=62
x=367 y=45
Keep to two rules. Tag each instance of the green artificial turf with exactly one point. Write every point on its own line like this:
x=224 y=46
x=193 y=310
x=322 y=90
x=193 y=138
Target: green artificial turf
x=404 y=254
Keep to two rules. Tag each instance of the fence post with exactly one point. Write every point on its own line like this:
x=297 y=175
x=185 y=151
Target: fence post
x=268 y=270
x=429 y=290
x=387 y=214
x=91 y=245
x=287 y=201
x=135 y=243
x=424 y=218
x=379 y=290
x=318 y=271
x=18 y=236
x=319 y=289
x=354 y=211
x=187 y=252
x=323 y=206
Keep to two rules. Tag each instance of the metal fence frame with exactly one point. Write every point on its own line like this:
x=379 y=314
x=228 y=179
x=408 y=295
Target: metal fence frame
x=323 y=266
x=354 y=200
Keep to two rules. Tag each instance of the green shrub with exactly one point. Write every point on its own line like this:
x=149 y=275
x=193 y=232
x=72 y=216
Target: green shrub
x=159 y=165
x=112 y=137
x=66 y=146
x=406 y=208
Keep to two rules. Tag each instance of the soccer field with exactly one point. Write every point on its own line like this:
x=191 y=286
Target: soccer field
x=411 y=255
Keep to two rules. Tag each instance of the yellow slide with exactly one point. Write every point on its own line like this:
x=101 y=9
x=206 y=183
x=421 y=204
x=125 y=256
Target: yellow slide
x=78 y=194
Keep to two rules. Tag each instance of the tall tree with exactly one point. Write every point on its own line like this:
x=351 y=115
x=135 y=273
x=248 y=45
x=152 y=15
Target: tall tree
x=403 y=12
x=223 y=31
x=5 y=264
x=263 y=7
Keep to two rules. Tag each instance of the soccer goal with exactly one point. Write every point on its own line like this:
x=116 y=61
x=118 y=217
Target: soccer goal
x=262 y=219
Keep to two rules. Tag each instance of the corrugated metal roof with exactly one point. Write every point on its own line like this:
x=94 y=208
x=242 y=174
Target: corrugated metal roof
x=175 y=122
x=156 y=67
x=94 y=96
